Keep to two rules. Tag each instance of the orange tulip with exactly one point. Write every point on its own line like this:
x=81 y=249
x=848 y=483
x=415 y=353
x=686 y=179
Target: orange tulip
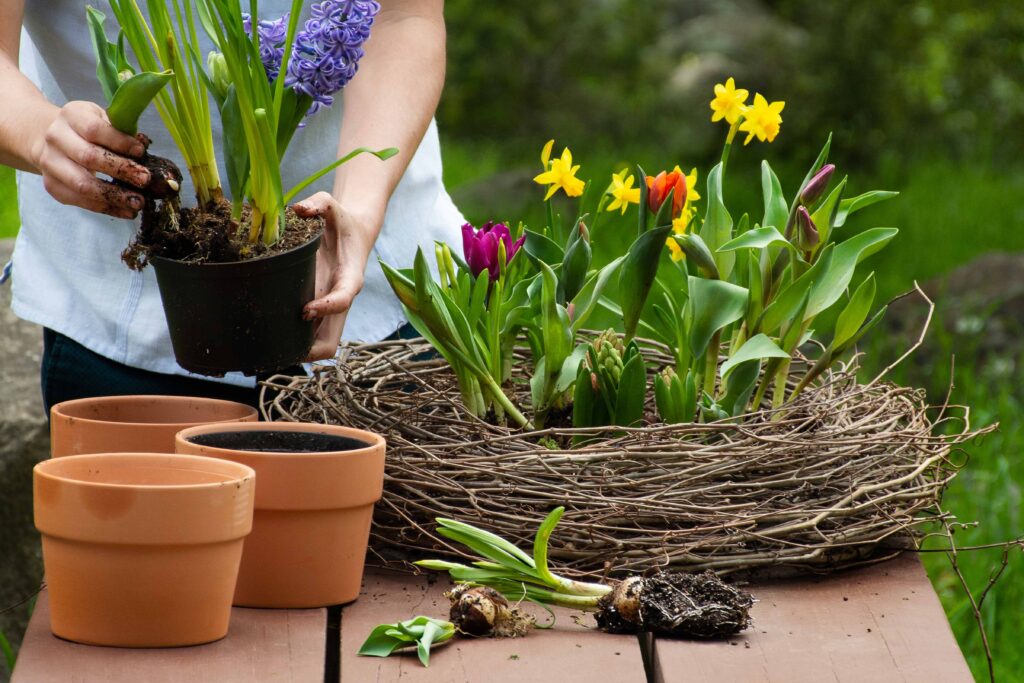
x=660 y=185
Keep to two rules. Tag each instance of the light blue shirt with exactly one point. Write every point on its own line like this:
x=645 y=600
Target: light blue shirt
x=68 y=273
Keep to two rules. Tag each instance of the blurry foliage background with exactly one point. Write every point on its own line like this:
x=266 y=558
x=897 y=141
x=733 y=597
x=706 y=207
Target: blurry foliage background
x=924 y=96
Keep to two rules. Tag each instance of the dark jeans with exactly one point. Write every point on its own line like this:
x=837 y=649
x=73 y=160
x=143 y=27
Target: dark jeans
x=70 y=370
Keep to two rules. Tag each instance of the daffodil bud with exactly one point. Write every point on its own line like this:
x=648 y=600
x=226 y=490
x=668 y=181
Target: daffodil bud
x=817 y=185
x=807 y=236
x=584 y=233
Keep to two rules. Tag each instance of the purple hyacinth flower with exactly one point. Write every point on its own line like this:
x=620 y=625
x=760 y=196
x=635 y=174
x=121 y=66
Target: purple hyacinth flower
x=480 y=247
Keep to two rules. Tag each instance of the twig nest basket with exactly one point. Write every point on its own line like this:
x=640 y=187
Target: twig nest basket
x=844 y=475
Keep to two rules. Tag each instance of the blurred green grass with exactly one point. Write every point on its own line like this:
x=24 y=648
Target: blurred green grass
x=947 y=214
x=8 y=204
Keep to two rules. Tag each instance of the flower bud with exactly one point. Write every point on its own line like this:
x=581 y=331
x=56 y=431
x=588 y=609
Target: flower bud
x=584 y=233
x=219 y=74
x=807 y=237
x=817 y=185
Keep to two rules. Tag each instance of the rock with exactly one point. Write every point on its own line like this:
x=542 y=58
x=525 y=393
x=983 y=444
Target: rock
x=979 y=314
x=24 y=441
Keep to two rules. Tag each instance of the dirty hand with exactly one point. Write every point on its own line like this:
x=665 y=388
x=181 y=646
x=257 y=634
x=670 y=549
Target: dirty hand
x=340 y=262
x=78 y=144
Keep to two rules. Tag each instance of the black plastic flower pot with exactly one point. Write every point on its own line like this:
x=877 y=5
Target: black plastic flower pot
x=244 y=316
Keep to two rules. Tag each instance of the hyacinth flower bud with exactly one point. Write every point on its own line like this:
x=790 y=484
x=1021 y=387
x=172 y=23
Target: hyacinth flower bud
x=219 y=76
x=807 y=235
x=817 y=185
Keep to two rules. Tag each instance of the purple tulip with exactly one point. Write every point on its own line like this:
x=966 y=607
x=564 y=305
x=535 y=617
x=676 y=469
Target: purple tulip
x=816 y=186
x=807 y=238
x=480 y=247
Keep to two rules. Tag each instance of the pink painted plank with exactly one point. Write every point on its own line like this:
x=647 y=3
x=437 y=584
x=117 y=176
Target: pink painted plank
x=568 y=652
x=879 y=623
x=284 y=646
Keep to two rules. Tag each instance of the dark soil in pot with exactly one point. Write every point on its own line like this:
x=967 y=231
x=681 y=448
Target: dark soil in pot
x=231 y=304
x=279 y=442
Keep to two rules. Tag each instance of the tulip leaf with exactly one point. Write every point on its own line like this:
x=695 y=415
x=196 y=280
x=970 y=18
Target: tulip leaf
x=698 y=253
x=421 y=631
x=714 y=304
x=105 y=51
x=717 y=227
x=792 y=295
x=740 y=385
x=132 y=98
x=641 y=227
x=637 y=275
x=542 y=248
x=824 y=216
x=589 y=295
x=775 y=209
x=570 y=368
x=855 y=313
x=861 y=201
x=866 y=327
x=758 y=238
x=629 y=401
x=834 y=281
x=574 y=267
x=757 y=347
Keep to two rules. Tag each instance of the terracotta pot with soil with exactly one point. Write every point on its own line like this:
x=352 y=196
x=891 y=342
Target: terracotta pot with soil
x=314 y=506
x=141 y=550
x=141 y=424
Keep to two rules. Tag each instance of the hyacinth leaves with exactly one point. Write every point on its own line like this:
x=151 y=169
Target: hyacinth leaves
x=611 y=384
x=128 y=93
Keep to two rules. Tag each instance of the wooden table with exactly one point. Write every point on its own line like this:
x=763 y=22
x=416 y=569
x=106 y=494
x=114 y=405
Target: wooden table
x=879 y=623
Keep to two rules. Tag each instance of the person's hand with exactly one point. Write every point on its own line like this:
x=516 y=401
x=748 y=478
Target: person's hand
x=340 y=262
x=78 y=144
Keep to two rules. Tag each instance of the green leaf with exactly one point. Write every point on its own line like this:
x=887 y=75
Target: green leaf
x=739 y=386
x=382 y=154
x=785 y=305
x=542 y=248
x=540 y=545
x=575 y=266
x=642 y=213
x=236 y=149
x=587 y=408
x=487 y=538
x=717 y=227
x=698 y=253
x=714 y=304
x=586 y=299
x=637 y=275
x=629 y=403
x=570 y=368
x=775 y=209
x=381 y=644
x=132 y=98
x=861 y=201
x=758 y=238
x=421 y=631
x=668 y=411
x=8 y=652
x=866 y=327
x=855 y=313
x=836 y=278
x=106 y=59
x=757 y=347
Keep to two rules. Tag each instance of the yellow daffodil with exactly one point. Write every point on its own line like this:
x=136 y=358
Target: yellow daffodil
x=675 y=250
x=728 y=102
x=622 y=191
x=559 y=173
x=762 y=119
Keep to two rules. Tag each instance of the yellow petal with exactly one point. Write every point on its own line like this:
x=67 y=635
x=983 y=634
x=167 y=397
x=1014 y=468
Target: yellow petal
x=546 y=178
x=545 y=153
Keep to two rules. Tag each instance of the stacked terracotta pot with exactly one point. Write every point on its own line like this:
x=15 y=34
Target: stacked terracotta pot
x=158 y=513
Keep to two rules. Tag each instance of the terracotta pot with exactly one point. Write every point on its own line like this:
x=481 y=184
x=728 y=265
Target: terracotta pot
x=141 y=550
x=134 y=424
x=313 y=510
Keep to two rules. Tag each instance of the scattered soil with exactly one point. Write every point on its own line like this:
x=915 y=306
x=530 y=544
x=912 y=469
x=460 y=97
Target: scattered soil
x=201 y=234
x=676 y=605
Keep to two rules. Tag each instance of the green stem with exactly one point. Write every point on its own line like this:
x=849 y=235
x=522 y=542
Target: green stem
x=501 y=399
x=711 y=364
x=779 y=395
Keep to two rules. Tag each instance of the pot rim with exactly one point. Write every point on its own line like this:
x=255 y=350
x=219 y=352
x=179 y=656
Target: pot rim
x=157 y=260
x=373 y=440
x=57 y=412
x=234 y=471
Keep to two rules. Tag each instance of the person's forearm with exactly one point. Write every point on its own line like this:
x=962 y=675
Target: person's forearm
x=24 y=120
x=390 y=102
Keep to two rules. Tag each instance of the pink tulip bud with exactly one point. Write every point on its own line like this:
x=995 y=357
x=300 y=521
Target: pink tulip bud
x=817 y=185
